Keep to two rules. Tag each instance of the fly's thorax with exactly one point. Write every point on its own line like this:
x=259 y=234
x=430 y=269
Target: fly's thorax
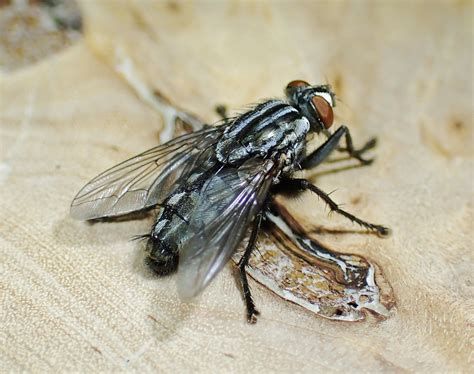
x=273 y=126
x=292 y=156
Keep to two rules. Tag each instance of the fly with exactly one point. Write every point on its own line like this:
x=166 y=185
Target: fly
x=217 y=186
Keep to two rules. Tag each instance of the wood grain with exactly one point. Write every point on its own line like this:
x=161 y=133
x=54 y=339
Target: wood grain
x=76 y=296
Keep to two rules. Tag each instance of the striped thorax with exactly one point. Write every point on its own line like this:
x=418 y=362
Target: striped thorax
x=271 y=127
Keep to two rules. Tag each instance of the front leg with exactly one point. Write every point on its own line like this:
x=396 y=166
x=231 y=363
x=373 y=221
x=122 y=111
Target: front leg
x=357 y=153
x=290 y=185
x=332 y=143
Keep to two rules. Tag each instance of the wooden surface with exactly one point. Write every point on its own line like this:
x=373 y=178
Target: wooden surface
x=76 y=296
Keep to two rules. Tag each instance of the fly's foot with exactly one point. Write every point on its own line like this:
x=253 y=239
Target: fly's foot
x=252 y=313
x=380 y=230
x=358 y=153
x=383 y=231
x=367 y=146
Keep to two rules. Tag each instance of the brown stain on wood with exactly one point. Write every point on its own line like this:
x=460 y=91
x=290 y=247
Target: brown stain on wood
x=458 y=126
x=447 y=140
x=337 y=84
x=96 y=349
x=142 y=24
x=356 y=200
x=173 y=6
x=432 y=143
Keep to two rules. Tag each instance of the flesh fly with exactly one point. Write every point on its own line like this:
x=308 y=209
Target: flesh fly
x=215 y=189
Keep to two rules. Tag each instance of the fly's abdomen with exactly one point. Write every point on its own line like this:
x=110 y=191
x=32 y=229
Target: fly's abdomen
x=271 y=126
x=171 y=226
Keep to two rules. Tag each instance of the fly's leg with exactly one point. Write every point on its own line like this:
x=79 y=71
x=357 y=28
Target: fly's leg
x=252 y=313
x=323 y=151
x=303 y=184
x=357 y=153
x=221 y=110
x=332 y=143
x=371 y=143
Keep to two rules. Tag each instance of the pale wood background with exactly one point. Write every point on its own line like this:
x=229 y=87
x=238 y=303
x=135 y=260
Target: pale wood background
x=76 y=296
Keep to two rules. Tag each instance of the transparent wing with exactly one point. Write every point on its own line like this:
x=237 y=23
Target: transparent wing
x=143 y=180
x=228 y=203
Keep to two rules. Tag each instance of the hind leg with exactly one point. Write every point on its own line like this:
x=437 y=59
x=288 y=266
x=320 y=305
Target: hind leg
x=252 y=312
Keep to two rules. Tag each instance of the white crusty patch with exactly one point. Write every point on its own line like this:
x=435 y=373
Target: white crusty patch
x=312 y=285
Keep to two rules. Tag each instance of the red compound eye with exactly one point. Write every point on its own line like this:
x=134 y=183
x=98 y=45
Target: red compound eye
x=297 y=83
x=324 y=110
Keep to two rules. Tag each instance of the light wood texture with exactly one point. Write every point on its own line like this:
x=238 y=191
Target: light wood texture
x=76 y=296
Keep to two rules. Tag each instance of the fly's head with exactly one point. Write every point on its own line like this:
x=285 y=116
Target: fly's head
x=313 y=102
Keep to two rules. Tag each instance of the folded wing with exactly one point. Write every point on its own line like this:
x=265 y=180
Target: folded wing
x=228 y=203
